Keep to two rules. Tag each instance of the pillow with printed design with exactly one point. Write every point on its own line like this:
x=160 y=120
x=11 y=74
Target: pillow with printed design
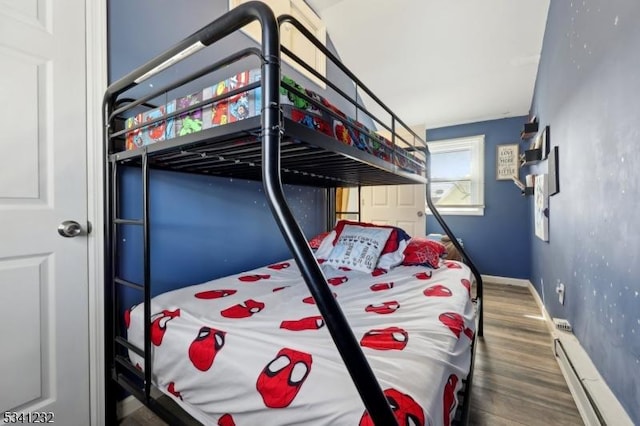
x=423 y=251
x=392 y=253
x=359 y=247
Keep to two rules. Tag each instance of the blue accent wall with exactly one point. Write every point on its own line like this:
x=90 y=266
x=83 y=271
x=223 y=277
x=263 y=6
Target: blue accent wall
x=498 y=242
x=587 y=91
x=204 y=227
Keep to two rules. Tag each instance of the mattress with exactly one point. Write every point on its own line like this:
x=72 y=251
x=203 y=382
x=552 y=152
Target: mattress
x=252 y=348
x=318 y=113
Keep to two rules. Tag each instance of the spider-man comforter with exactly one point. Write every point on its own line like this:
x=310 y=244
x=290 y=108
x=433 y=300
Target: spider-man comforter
x=252 y=349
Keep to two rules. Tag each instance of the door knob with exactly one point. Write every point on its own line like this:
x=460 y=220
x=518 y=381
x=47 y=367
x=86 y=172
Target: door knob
x=69 y=229
x=420 y=213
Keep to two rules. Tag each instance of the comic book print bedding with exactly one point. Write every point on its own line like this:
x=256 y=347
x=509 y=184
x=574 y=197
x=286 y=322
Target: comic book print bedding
x=327 y=118
x=252 y=348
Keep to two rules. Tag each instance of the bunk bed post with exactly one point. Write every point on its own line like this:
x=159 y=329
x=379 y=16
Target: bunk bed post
x=465 y=409
x=365 y=381
x=148 y=368
x=455 y=242
x=331 y=208
x=109 y=284
x=359 y=203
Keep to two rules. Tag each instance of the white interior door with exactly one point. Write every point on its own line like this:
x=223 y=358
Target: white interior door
x=399 y=205
x=402 y=206
x=44 y=360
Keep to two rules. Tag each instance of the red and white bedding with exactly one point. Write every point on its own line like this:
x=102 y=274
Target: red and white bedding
x=252 y=349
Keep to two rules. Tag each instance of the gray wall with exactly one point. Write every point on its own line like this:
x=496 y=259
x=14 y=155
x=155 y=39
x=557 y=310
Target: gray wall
x=588 y=90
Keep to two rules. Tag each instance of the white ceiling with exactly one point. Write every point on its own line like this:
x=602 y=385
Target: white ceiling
x=438 y=62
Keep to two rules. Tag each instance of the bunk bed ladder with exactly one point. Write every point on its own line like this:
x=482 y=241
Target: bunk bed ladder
x=118 y=342
x=121 y=368
x=335 y=211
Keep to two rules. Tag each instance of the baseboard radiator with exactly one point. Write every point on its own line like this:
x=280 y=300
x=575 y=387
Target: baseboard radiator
x=584 y=401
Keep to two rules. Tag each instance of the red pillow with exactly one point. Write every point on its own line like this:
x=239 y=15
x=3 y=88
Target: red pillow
x=423 y=251
x=315 y=242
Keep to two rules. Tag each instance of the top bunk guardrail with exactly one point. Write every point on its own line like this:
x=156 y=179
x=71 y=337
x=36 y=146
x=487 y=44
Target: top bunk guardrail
x=362 y=157
x=416 y=144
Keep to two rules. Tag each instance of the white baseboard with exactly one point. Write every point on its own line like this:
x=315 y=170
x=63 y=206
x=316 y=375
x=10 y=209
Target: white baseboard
x=506 y=280
x=588 y=381
x=585 y=378
x=128 y=406
x=543 y=310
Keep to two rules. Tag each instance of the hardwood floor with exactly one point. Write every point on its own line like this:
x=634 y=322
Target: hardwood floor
x=142 y=417
x=517 y=380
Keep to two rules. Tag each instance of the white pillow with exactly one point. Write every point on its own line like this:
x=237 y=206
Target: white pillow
x=393 y=259
x=359 y=247
x=324 y=250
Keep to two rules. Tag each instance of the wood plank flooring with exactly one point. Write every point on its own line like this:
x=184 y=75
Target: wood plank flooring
x=517 y=380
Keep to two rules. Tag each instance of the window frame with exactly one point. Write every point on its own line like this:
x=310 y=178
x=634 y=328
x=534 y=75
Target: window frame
x=476 y=145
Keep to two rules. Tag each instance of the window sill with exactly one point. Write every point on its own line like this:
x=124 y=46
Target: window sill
x=458 y=211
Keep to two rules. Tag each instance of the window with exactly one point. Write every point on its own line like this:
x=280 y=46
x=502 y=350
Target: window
x=457 y=175
x=291 y=37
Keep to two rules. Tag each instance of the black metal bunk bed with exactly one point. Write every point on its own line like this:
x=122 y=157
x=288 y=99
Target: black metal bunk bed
x=273 y=149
